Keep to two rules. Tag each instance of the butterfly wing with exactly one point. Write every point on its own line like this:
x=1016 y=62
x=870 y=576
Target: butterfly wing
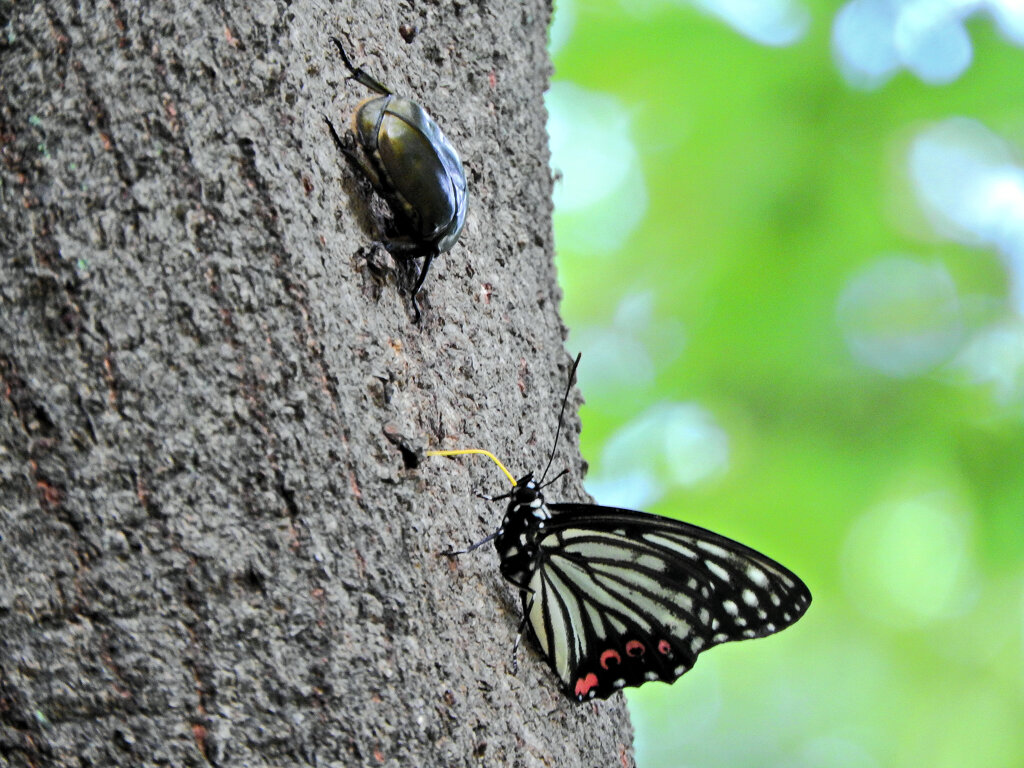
x=620 y=597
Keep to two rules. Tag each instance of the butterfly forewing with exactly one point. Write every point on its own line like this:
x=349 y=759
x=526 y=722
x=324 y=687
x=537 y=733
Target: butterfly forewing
x=617 y=598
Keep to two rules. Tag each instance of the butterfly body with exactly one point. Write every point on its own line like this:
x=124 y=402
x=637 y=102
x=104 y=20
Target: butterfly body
x=521 y=529
x=615 y=598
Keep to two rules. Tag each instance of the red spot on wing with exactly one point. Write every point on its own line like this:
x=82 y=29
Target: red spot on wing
x=635 y=648
x=610 y=656
x=664 y=648
x=585 y=684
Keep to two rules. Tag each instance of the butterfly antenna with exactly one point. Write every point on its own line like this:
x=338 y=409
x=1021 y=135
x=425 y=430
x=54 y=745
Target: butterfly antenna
x=561 y=414
x=488 y=454
x=553 y=480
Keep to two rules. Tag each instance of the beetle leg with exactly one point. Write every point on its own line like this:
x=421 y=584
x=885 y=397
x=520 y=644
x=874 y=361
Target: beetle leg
x=358 y=74
x=400 y=250
x=423 y=273
x=419 y=282
x=347 y=147
x=343 y=146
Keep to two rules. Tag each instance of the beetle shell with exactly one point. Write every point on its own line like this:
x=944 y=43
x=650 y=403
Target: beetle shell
x=417 y=169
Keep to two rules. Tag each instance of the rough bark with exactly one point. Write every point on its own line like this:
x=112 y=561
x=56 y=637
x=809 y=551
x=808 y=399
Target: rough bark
x=214 y=546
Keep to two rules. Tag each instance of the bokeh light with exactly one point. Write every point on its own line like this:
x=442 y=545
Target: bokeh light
x=874 y=39
x=900 y=316
x=971 y=185
x=600 y=196
x=772 y=22
x=670 y=445
x=908 y=560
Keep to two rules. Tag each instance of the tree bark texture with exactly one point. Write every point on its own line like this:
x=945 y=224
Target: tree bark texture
x=216 y=546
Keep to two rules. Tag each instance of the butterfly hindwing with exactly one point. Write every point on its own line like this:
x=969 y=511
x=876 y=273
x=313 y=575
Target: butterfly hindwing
x=617 y=598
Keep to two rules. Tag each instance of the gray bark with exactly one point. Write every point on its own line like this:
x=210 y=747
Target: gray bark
x=213 y=550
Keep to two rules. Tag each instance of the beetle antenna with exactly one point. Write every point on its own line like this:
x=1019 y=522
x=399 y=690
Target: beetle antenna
x=358 y=73
x=561 y=414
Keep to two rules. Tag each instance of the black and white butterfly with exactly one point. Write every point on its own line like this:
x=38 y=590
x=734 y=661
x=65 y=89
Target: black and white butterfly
x=616 y=598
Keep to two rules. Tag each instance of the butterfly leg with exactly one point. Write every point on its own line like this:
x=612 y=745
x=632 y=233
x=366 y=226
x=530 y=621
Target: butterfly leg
x=519 y=637
x=488 y=497
x=470 y=548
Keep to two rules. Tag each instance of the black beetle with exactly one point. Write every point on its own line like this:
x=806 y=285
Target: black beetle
x=412 y=166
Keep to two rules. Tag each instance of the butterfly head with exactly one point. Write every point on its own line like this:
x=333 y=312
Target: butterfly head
x=526 y=490
x=527 y=503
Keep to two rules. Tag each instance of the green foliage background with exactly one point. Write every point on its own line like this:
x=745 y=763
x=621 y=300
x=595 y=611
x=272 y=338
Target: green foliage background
x=770 y=183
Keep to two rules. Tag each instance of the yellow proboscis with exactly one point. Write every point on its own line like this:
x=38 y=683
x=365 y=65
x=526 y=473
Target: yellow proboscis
x=488 y=454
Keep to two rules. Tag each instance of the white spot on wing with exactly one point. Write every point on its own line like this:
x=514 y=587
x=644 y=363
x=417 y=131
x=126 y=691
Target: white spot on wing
x=716 y=569
x=714 y=549
x=757 y=576
x=749 y=597
x=730 y=607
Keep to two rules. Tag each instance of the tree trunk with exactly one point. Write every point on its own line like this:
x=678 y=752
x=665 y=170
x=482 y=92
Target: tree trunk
x=216 y=546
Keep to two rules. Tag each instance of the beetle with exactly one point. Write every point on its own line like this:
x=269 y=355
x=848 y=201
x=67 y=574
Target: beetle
x=412 y=165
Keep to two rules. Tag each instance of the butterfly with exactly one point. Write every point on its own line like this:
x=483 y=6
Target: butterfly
x=615 y=598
